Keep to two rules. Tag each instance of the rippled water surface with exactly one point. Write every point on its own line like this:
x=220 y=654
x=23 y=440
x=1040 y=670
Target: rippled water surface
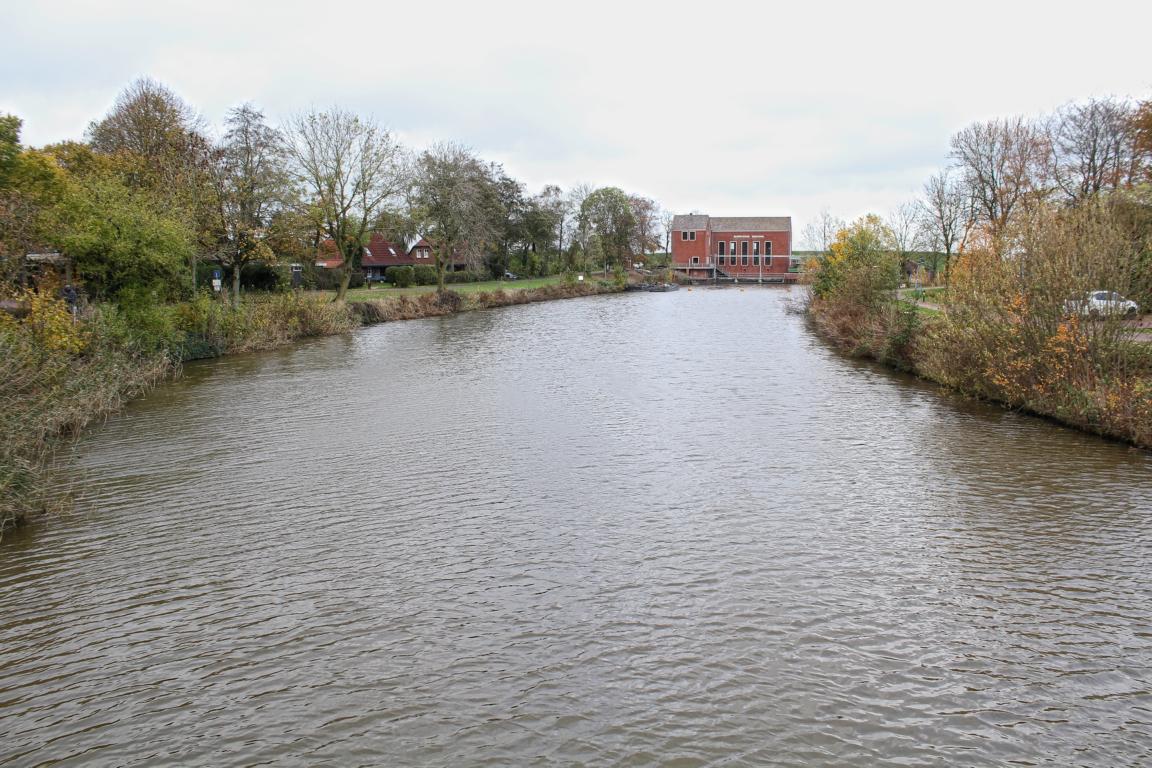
x=651 y=529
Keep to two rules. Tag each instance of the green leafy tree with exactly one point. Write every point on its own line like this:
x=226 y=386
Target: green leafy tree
x=862 y=264
x=607 y=213
x=557 y=209
x=252 y=183
x=30 y=180
x=453 y=203
x=9 y=147
x=121 y=239
x=508 y=208
x=158 y=143
x=538 y=231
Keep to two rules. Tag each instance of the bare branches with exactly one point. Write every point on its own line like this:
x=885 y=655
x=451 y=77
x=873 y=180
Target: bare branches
x=820 y=233
x=1093 y=147
x=1003 y=162
x=351 y=168
x=946 y=215
x=904 y=223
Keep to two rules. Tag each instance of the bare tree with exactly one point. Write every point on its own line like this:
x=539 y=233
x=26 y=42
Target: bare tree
x=1003 y=162
x=1093 y=147
x=1141 y=127
x=152 y=124
x=352 y=169
x=945 y=216
x=821 y=232
x=451 y=201
x=904 y=224
x=251 y=180
x=666 y=219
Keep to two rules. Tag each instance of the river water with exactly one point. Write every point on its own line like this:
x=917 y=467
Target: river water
x=638 y=530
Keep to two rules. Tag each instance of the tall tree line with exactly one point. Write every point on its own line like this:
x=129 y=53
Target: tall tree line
x=150 y=197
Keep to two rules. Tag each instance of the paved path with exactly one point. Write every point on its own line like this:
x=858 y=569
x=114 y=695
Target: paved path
x=1141 y=326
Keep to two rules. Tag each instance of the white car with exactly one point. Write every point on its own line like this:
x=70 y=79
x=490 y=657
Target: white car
x=1101 y=303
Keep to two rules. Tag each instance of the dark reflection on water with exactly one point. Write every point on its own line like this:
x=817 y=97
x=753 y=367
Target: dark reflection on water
x=658 y=529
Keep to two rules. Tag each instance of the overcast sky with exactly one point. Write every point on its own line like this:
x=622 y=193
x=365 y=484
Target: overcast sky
x=723 y=108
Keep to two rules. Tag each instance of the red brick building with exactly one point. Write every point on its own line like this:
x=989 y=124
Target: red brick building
x=744 y=248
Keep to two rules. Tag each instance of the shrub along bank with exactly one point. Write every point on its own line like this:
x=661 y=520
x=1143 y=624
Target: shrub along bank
x=58 y=375
x=1006 y=333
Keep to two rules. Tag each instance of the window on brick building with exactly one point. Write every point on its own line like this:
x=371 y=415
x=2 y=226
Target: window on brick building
x=755 y=261
x=767 y=247
x=720 y=248
x=755 y=247
x=683 y=235
x=743 y=261
x=743 y=247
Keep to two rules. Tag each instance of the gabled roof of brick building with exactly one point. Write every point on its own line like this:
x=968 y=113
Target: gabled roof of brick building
x=732 y=223
x=750 y=223
x=689 y=221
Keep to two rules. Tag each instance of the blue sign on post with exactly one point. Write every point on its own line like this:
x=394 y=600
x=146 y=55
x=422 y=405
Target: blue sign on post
x=216 y=274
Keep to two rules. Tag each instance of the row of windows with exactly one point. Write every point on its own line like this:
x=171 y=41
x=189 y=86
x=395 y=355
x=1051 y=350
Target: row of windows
x=723 y=250
x=734 y=261
x=722 y=246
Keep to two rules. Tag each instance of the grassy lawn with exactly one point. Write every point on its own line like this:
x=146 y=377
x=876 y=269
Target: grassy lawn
x=380 y=292
x=936 y=295
x=924 y=311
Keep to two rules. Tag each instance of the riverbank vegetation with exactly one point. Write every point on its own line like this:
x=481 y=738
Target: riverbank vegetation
x=153 y=241
x=1048 y=211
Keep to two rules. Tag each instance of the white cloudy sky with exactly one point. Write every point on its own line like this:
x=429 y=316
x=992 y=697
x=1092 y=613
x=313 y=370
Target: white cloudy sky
x=722 y=107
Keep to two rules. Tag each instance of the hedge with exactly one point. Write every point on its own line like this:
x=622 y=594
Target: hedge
x=401 y=277
x=425 y=274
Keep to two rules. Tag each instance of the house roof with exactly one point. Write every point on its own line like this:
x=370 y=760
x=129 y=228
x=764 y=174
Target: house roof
x=384 y=253
x=689 y=221
x=379 y=253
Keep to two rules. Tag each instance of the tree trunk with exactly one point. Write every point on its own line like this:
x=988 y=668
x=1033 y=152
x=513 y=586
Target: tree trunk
x=236 y=284
x=440 y=269
x=342 y=291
